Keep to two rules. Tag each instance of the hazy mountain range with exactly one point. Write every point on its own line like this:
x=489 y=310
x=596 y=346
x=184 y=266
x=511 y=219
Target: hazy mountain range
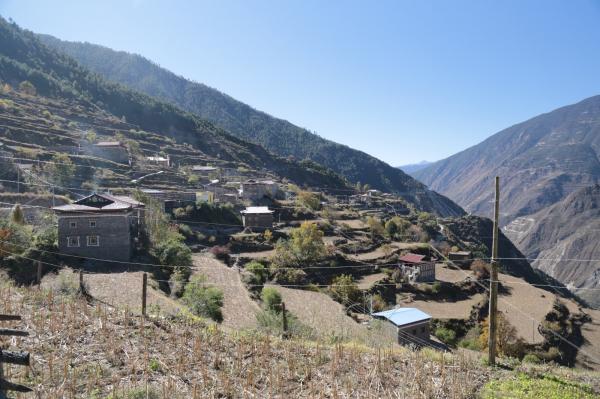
x=540 y=163
x=414 y=167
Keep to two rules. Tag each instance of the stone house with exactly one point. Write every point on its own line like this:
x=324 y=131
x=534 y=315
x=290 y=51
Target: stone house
x=171 y=200
x=254 y=190
x=257 y=217
x=112 y=150
x=417 y=268
x=100 y=226
x=411 y=324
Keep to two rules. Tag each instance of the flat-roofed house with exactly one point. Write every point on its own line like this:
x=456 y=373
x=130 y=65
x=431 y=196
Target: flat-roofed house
x=161 y=161
x=100 y=226
x=412 y=325
x=417 y=267
x=460 y=257
x=205 y=171
x=257 y=217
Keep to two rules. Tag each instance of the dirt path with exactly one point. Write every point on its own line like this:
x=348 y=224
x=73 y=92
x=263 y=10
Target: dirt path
x=365 y=282
x=239 y=310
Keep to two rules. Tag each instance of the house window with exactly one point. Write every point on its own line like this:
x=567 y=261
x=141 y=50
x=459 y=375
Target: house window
x=73 y=241
x=92 y=223
x=93 y=241
x=73 y=224
x=423 y=329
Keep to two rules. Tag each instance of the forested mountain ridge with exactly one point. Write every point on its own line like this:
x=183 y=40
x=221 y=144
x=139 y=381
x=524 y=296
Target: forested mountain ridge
x=23 y=57
x=276 y=135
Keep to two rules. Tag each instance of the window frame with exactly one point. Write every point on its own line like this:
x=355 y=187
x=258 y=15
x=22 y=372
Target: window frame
x=73 y=224
x=87 y=241
x=69 y=245
x=93 y=224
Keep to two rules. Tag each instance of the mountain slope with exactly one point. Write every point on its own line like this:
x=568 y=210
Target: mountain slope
x=24 y=57
x=276 y=135
x=412 y=168
x=539 y=161
x=562 y=233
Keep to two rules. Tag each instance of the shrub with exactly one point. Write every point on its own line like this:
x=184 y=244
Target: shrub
x=259 y=271
x=202 y=300
x=480 y=269
x=271 y=322
x=531 y=358
x=446 y=335
x=173 y=253
x=220 y=252
x=271 y=299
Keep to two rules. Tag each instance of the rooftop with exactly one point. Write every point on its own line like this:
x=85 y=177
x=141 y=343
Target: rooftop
x=403 y=316
x=412 y=258
x=100 y=203
x=108 y=144
x=257 y=210
x=198 y=168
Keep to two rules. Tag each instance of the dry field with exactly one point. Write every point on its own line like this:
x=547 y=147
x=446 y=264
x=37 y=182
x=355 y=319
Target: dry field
x=325 y=316
x=445 y=309
x=239 y=310
x=84 y=349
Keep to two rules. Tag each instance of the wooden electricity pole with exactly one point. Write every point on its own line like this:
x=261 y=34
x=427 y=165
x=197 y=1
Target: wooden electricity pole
x=144 y=292
x=492 y=317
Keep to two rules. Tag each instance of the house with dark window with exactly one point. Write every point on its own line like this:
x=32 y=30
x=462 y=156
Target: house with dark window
x=417 y=268
x=99 y=226
x=254 y=190
x=112 y=150
x=257 y=217
x=411 y=324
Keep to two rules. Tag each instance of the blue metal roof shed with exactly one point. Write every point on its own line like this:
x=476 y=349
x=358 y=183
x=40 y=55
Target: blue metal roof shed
x=403 y=316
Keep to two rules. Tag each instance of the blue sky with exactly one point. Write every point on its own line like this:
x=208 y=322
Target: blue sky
x=401 y=80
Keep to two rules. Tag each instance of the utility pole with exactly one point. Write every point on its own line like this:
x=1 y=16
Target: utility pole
x=144 y=291
x=492 y=317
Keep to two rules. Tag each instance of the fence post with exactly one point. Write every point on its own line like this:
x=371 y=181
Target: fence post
x=81 y=288
x=144 y=292
x=39 y=274
x=284 y=320
x=20 y=358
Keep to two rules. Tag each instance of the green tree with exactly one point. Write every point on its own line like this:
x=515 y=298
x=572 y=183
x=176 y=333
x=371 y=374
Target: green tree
x=309 y=200
x=61 y=169
x=307 y=242
x=173 y=253
x=27 y=87
x=16 y=215
x=375 y=227
x=344 y=290
x=260 y=272
x=203 y=300
x=271 y=299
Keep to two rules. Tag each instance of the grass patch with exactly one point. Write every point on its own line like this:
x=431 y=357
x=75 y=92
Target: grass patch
x=525 y=386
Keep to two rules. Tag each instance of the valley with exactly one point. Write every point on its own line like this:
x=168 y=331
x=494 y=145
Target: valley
x=159 y=239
